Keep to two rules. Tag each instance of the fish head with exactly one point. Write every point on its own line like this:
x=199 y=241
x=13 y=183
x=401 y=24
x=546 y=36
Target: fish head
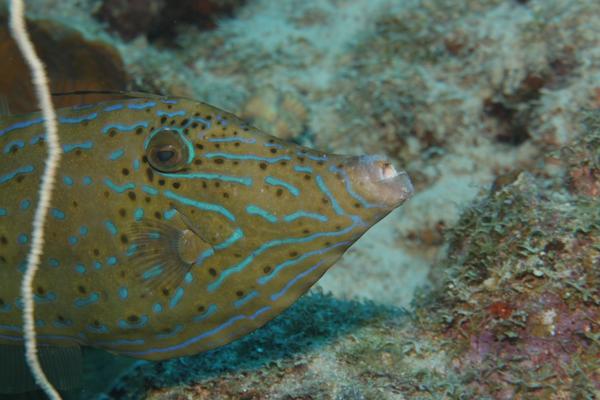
x=217 y=226
x=263 y=207
x=255 y=183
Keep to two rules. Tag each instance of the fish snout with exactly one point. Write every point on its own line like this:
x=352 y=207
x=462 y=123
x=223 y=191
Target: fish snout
x=378 y=181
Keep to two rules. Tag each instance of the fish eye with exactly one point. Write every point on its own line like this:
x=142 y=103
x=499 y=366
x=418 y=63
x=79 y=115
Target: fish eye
x=167 y=152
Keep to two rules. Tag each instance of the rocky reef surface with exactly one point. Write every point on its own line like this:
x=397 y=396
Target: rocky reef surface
x=484 y=285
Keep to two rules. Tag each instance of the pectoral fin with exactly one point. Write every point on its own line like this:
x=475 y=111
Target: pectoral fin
x=163 y=251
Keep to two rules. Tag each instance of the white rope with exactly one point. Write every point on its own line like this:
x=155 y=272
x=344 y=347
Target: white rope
x=40 y=81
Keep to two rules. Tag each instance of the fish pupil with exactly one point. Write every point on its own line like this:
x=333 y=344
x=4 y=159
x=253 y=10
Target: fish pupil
x=165 y=155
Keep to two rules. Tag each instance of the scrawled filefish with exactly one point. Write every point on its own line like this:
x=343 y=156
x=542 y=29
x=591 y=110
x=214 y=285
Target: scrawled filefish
x=175 y=227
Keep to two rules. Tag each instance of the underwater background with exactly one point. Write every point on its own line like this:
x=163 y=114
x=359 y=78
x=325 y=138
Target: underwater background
x=486 y=284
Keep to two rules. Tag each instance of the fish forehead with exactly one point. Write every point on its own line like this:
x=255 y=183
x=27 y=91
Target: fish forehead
x=276 y=214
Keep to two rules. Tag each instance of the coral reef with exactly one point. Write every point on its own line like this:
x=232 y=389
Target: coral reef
x=483 y=102
x=159 y=19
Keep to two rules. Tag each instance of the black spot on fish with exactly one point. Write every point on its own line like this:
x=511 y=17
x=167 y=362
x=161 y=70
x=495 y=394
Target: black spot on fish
x=122 y=212
x=163 y=120
x=307 y=177
x=157 y=215
x=150 y=174
x=139 y=130
x=273 y=150
x=125 y=171
x=219 y=161
x=124 y=239
x=161 y=182
x=81 y=289
x=3 y=240
x=267 y=269
x=201 y=308
x=198 y=161
x=239 y=293
x=226 y=195
x=212 y=271
x=263 y=165
x=96 y=252
x=133 y=318
x=40 y=290
x=75 y=204
x=279 y=192
x=131 y=195
x=176 y=185
x=293 y=253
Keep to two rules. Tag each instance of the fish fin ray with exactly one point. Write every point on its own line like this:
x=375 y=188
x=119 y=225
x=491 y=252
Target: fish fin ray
x=162 y=256
x=62 y=365
x=118 y=94
x=4 y=106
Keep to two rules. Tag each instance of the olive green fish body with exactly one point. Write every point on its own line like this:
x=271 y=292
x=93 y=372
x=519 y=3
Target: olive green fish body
x=174 y=226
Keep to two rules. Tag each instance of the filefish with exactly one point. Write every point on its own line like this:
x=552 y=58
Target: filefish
x=175 y=227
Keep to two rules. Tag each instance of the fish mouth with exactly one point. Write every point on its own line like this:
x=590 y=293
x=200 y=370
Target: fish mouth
x=376 y=179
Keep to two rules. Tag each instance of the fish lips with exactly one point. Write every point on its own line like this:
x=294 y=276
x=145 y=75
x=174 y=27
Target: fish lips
x=376 y=179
